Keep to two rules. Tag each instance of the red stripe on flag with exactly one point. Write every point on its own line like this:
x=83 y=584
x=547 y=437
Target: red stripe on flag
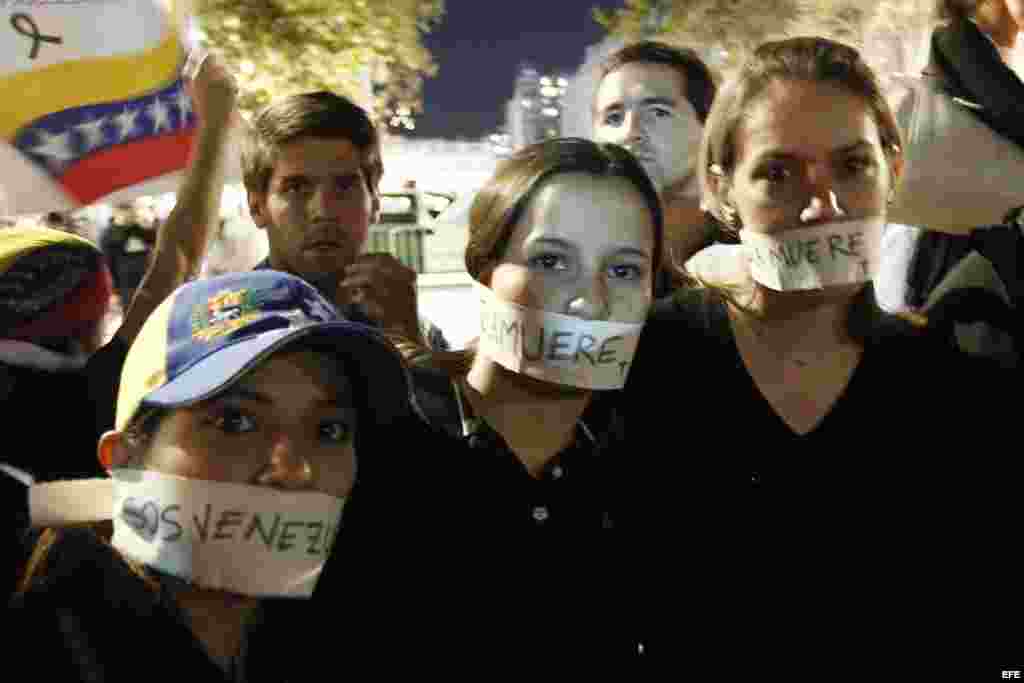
x=127 y=164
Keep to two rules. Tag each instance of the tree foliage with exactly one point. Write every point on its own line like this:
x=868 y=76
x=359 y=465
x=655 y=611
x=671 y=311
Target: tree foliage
x=889 y=32
x=724 y=31
x=369 y=50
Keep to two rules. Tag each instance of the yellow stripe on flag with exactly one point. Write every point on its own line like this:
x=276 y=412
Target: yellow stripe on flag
x=30 y=95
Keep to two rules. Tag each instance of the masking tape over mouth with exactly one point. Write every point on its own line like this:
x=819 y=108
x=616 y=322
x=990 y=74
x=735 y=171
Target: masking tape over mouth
x=836 y=253
x=252 y=540
x=562 y=349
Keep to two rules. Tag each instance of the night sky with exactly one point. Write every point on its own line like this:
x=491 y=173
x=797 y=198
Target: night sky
x=478 y=48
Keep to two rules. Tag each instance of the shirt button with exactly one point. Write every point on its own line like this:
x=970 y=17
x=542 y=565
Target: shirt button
x=540 y=513
x=557 y=472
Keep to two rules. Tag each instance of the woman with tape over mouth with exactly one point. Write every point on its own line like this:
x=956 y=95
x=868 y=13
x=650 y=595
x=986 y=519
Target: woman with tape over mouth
x=564 y=241
x=244 y=403
x=856 y=443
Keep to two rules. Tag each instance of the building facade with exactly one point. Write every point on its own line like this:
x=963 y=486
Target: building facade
x=536 y=109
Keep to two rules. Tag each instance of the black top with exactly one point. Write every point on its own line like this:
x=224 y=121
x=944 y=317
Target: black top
x=90 y=618
x=572 y=494
x=874 y=536
x=55 y=419
x=523 y=567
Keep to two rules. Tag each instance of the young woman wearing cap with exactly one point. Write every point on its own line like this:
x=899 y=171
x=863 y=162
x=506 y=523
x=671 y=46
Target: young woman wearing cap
x=244 y=402
x=856 y=428
x=564 y=242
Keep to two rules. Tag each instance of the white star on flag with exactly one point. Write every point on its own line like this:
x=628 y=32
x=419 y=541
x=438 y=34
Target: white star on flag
x=184 y=103
x=56 y=147
x=160 y=113
x=126 y=123
x=111 y=139
x=92 y=133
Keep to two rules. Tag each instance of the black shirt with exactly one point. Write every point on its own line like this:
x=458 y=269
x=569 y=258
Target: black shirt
x=527 y=567
x=574 y=493
x=872 y=538
x=55 y=419
x=88 y=617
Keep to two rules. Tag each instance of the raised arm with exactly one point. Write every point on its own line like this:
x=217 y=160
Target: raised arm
x=183 y=238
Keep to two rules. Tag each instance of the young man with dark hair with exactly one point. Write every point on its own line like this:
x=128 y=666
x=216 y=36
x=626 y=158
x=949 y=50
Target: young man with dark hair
x=312 y=165
x=653 y=99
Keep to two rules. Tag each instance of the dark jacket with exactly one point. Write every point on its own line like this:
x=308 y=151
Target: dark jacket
x=88 y=617
x=965 y=65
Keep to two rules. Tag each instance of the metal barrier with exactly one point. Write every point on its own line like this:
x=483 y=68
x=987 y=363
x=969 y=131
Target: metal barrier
x=407 y=245
x=379 y=239
x=402 y=227
x=404 y=242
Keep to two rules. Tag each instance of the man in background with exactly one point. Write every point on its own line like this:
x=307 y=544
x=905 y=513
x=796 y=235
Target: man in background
x=653 y=99
x=312 y=168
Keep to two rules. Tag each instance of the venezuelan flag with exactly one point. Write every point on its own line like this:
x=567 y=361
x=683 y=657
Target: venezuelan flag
x=93 y=96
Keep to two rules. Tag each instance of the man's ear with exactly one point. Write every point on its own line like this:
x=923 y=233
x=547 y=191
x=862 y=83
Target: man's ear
x=257 y=208
x=112 y=450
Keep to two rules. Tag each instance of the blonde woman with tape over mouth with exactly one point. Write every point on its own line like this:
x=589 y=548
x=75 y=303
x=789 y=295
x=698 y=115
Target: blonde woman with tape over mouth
x=851 y=420
x=564 y=243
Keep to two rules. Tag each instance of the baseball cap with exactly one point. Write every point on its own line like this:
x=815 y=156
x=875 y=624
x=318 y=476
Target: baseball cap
x=209 y=333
